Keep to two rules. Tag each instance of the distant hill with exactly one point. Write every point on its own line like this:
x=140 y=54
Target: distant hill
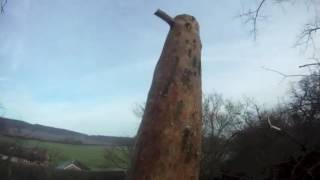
x=17 y=128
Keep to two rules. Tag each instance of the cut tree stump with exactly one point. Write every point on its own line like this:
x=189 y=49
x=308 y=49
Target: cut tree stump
x=168 y=143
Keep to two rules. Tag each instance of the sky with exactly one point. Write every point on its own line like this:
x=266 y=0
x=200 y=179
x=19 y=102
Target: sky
x=83 y=65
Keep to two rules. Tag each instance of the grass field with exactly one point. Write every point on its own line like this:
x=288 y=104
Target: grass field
x=90 y=155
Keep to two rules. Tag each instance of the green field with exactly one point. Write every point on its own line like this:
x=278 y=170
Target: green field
x=90 y=155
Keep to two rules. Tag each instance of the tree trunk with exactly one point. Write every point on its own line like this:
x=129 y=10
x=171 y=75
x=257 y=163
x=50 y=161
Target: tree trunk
x=169 y=138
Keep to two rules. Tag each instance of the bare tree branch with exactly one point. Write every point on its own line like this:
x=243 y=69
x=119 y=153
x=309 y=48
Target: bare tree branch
x=283 y=74
x=138 y=109
x=164 y=16
x=310 y=64
x=3 y=4
x=308 y=34
x=252 y=17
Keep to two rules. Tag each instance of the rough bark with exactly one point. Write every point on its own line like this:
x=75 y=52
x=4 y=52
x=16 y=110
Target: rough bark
x=169 y=138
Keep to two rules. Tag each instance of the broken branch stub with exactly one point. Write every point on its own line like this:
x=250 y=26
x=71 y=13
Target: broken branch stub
x=164 y=16
x=169 y=138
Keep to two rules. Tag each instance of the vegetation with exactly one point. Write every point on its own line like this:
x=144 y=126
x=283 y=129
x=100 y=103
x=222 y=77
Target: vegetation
x=90 y=155
x=240 y=141
x=119 y=156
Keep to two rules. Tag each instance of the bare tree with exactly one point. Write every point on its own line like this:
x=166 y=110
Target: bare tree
x=224 y=120
x=220 y=119
x=220 y=116
x=306 y=98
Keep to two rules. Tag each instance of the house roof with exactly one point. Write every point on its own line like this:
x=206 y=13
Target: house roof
x=76 y=163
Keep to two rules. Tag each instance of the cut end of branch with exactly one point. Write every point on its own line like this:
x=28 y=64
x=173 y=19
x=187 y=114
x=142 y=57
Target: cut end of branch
x=272 y=126
x=164 y=16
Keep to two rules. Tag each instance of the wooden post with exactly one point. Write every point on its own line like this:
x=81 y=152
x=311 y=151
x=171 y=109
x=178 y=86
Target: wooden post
x=169 y=138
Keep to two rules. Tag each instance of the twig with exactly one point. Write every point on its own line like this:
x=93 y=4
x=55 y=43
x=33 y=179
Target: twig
x=252 y=16
x=164 y=16
x=3 y=4
x=282 y=74
x=311 y=64
x=308 y=34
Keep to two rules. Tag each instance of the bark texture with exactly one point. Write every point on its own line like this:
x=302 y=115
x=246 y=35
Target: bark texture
x=169 y=138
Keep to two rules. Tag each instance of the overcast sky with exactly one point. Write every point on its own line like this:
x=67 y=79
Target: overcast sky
x=82 y=65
